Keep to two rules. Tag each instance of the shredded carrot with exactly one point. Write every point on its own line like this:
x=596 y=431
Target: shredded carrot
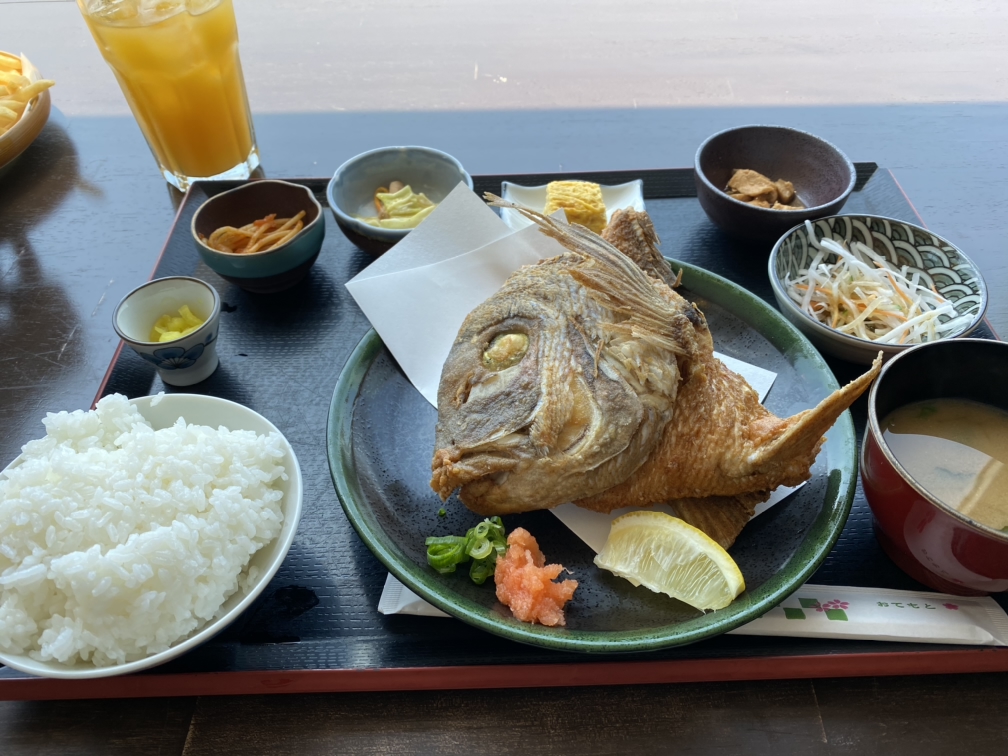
x=862 y=294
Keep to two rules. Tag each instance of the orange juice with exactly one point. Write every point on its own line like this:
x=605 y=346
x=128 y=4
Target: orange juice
x=177 y=63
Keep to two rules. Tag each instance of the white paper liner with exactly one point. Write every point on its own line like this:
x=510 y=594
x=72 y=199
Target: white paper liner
x=827 y=611
x=396 y=598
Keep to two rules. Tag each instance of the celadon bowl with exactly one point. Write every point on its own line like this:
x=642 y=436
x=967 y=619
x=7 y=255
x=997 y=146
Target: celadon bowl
x=381 y=438
x=162 y=411
x=351 y=191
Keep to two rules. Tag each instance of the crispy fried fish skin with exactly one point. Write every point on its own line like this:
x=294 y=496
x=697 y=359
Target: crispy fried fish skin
x=738 y=448
x=589 y=398
x=633 y=234
x=617 y=400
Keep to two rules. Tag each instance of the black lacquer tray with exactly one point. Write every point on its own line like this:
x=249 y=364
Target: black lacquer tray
x=317 y=628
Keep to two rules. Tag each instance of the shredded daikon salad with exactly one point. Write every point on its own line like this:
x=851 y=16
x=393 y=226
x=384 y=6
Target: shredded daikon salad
x=862 y=294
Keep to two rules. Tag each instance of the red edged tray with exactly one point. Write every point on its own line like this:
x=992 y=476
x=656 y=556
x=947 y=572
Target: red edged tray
x=316 y=627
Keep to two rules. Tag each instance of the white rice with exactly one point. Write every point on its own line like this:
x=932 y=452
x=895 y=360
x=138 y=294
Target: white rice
x=117 y=540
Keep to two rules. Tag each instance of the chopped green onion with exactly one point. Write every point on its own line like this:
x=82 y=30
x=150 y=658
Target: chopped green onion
x=479 y=549
x=481 y=570
x=483 y=544
x=445 y=553
x=442 y=512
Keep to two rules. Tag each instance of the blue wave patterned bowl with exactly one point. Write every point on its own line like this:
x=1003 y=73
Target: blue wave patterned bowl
x=937 y=260
x=184 y=361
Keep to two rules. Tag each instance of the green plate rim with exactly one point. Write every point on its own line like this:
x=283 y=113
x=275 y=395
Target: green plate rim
x=820 y=539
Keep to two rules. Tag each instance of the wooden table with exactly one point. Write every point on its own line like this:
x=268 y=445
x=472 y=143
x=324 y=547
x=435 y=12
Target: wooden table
x=82 y=217
x=84 y=214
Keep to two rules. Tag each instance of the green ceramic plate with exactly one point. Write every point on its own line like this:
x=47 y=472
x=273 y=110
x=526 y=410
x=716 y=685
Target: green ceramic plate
x=381 y=438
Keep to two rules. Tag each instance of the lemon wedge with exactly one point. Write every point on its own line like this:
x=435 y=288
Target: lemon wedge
x=669 y=556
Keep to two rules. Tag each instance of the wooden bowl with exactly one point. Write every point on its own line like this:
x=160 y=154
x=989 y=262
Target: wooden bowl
x=23 y=133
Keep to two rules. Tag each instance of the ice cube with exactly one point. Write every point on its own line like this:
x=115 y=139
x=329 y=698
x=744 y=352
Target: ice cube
x=196 y=7
x=154 y=11
x=114 y=10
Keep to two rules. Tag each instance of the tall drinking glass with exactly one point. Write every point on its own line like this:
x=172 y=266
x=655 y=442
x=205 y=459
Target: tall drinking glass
x=177 y=63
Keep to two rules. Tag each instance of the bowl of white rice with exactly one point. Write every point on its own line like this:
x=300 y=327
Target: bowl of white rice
x=134 y=532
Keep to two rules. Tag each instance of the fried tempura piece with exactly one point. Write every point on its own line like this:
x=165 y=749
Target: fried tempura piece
x=756 y=189
x=785 y=191
x=525 y=582
x=747 y=185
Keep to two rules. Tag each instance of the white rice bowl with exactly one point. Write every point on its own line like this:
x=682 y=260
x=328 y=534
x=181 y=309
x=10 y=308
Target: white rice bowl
x=128 y=537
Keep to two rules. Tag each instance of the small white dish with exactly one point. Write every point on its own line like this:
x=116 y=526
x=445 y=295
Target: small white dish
x=618 y=197
x=184 y=361
x=212 y=411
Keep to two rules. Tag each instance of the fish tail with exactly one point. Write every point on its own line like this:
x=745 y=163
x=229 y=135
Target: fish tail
x=805 y=430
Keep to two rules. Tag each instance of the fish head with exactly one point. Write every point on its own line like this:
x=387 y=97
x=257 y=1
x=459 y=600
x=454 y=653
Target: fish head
x=526 y=412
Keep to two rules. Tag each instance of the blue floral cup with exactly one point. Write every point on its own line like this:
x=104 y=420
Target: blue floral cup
x=183 y=361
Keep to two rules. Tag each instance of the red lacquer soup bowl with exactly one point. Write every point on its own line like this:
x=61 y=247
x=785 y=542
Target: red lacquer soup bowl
x=929 y=540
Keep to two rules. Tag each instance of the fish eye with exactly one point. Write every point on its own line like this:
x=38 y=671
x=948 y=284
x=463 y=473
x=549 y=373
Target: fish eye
x=506 y=350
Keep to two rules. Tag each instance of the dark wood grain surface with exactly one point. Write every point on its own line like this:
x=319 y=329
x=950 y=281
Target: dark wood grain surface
x=83 y=215
x=916 y=716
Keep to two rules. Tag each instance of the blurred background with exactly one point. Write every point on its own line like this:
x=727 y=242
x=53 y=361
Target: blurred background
x=422 y=55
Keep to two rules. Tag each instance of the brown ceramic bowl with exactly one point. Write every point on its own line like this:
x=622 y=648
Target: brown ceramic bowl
x=822 y=175
x=930 y=541
x=273 y=270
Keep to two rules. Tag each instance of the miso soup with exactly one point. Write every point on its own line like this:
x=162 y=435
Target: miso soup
x=958 y=451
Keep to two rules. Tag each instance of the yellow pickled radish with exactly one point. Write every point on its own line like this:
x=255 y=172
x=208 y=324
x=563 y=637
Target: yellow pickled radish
x=170 y=327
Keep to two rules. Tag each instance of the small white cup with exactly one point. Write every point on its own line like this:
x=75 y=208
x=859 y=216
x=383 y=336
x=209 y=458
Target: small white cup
x=184 y=361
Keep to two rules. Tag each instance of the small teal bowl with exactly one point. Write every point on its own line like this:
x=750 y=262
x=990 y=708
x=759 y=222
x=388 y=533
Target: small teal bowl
x=351 y=190
x=261 y=272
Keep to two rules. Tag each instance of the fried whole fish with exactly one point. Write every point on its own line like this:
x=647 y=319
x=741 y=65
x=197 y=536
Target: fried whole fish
x=585 y=379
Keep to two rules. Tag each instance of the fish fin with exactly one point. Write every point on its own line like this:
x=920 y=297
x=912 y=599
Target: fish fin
x=633 y=234
x=720 y=517
x=804 y=431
